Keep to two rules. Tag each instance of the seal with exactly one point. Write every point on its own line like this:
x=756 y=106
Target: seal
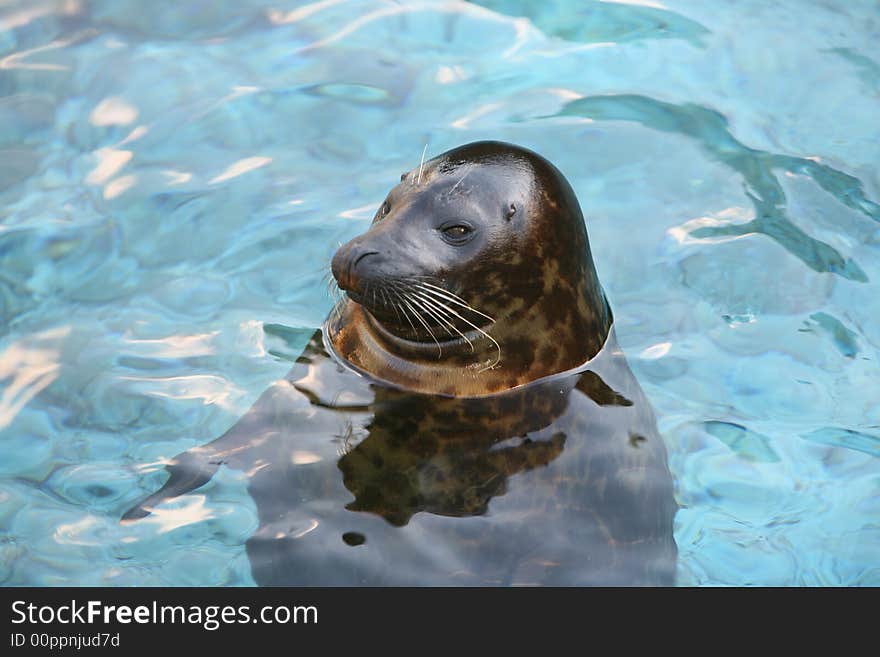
x=475 y=277
x=464 y=416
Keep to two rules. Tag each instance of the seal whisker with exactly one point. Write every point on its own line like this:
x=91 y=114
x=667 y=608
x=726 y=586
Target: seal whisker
x=422 y=164
x=406 y=315
x=479 y=330
x=388 y=303
x=336 y=311
x=427 y=328
x=450 y=297
x=442 y=319
x=398 y=309
x=429 y=311
x=436 y=313
x=403 y=310
x=333 y=290
x=459 y=182
x=442 y=291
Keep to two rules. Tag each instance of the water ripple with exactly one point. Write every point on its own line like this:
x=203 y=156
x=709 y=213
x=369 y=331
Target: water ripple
x=838 y=437
x=173 y=183
x=603 y=22
x=748 y=444
x=207 y=388
x=844 y=339
x=710 y=129
x=27 y=367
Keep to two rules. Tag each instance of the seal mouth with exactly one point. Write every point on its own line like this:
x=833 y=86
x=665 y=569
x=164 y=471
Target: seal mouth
x=394 y=316
x=427 y=343
x=417 y=327
x=375 y=304
x=357 y=298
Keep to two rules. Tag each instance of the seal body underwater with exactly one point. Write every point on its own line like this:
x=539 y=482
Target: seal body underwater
x=465 y=416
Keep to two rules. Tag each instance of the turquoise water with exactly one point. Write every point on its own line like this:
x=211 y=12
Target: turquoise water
x=174 y=180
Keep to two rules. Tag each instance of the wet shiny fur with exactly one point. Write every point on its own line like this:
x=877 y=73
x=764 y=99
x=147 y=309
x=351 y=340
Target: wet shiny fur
x=379 y=460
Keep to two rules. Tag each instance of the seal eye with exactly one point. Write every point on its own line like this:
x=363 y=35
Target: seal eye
x=456 y=233
x=383 y=211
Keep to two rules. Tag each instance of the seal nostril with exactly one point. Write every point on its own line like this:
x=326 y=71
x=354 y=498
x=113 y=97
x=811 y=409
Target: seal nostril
x=347 y=270
x=361 y=257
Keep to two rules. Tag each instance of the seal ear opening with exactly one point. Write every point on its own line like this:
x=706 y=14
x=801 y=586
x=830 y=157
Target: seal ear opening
x=510 y=212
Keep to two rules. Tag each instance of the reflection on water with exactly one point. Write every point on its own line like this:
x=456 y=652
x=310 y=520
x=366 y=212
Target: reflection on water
x=562 y=482
x=26 y=368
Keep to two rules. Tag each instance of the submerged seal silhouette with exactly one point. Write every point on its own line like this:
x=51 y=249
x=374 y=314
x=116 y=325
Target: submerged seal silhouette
x=475 y=277
x=474 y=422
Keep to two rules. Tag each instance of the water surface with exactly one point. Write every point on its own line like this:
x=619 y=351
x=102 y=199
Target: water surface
x=173 y=183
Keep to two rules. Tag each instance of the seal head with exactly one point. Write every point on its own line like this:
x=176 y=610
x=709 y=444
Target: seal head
x=475 y=277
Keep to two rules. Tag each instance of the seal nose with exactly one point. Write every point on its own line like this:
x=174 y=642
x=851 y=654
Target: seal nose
x=345 y=264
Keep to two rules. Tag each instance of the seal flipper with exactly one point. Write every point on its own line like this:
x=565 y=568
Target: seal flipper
x=187 y=472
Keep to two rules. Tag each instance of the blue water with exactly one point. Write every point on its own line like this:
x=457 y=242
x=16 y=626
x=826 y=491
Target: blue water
x=174 y=180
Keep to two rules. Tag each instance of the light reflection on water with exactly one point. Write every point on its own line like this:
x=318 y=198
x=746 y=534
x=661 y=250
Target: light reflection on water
x=27 y=367
x=173 y=181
